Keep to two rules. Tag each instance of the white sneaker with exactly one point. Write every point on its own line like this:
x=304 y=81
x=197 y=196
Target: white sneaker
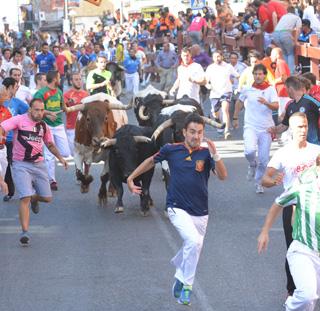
x=251 y=172
x=259 y=188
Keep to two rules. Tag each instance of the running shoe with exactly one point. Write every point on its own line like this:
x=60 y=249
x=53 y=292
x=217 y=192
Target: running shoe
x=7 y=198
x=184 y=298
x=177 y=288
x=251 y=172
x=54 y=186
x=34 y=206
x=227 y=135
x=259 y=188
x=24 y=239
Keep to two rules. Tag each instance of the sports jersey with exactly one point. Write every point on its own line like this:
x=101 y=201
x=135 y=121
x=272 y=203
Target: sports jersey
x=52 y=99
x=310 y=106
x=131 y=65
x=16 y=107
x=29 y=137
x=189 y=174
x=45 y=62
x=257 y=115
x=305 y=195
x=73 y=97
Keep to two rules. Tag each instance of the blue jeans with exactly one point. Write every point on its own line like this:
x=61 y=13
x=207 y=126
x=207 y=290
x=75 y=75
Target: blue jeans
x=284 y=40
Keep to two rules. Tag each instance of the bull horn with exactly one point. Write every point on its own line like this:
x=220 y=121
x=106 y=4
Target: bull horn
x=142 y=139
x=168 y=102
x=213 y=123
x=79 y=107
x=108 y=142
x=161 y=128
x=141 y=113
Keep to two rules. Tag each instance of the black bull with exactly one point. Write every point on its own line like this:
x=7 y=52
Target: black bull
x=130 y=146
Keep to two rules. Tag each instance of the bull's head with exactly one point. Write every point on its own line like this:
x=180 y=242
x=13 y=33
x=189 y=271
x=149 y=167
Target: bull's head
x=96 y=109
x=125 y=150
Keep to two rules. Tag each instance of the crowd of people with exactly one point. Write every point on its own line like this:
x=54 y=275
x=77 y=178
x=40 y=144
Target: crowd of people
x=42 y=75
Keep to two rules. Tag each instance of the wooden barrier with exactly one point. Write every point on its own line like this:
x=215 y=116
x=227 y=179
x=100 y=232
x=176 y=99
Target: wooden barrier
x=311 y=50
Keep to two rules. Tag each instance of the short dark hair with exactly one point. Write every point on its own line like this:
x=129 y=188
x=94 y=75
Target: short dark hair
x=306 y=22
x=254 y=53
x=311 y=77
x=44 y=44
x=38 y=77
x=193 y=117
x=9 y=81
x=35 y=100
x=5 y=50
x=51 y=75
x=15 y=52
x=295 y=83
x=234 y=53
x=306 y=82
x=260 y=67
x=13 y=69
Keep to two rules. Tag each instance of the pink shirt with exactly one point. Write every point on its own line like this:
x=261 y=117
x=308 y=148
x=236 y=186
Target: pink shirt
x=28 y=137
x=197 y=23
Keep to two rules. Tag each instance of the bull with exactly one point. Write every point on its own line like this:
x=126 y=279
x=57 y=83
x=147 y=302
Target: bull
x=96 y=121
x=130 y=146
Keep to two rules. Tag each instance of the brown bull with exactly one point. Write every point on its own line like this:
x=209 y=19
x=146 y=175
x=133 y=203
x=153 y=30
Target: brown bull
x=94 y=124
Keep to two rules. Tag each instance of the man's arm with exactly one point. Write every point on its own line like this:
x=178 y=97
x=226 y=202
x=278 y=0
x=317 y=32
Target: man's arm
x=272 y=178
x=263 y=238
x=57 y=154
x=145 y=166
x=280 y=128
x=220 y=168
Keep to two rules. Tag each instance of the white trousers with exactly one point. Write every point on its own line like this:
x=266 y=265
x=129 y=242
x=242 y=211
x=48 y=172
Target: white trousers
x=257 y=142
x=70 y=135
x=3 y=161
x=304 y=266
x=132 y=82
x=61 y=141
x=192 y=230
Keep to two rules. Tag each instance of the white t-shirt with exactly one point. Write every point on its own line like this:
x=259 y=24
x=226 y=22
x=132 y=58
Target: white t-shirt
x=24 y=94
x=187 y=87
x=292 y=161
x=220 y=78
x=257 y=115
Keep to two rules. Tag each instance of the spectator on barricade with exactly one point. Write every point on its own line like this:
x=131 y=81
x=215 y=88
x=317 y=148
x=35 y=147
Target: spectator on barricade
x=153 y=23
x=265 y=17
x=278 y=8
x=189 y=15
x=283 y=37
x=167 y=61
x=23 y=92
x=304 y=37
x=297 y=8
x=45 y=61
x=197 y=29
x=27 y=66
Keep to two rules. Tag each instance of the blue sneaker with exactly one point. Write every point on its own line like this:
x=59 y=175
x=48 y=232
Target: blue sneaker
x=184 y=298
x=177 y=288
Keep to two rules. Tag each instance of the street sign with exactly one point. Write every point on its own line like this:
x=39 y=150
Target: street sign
x=197 y=4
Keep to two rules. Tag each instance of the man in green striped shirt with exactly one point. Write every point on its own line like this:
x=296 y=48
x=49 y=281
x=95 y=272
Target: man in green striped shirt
x=304 y=252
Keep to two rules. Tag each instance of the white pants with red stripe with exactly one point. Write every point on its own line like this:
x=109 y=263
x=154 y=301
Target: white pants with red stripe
x=192 y=230
x=304 y=266
x=61 y=141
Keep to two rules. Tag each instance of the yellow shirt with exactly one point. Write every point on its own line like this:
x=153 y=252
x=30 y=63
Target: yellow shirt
x=68 y=56
x=119 y=53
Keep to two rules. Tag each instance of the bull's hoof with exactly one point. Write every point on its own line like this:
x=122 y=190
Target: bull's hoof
x=144 y=212
x=88 y=180
x=151 y=204
x=112 y=194
x=119 y=209
x=103 y=201
x=84 y=188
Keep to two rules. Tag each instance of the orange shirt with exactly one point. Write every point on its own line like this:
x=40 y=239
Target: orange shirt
x=4 y=115
x=281 y=69
x=172 y=25
x=153 y=24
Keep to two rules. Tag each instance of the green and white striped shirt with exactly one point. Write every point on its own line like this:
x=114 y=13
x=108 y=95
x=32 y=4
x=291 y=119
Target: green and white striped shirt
x=305 y=194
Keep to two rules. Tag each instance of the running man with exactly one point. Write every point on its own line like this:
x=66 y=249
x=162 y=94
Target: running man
x=187 y=198
x=29 y=169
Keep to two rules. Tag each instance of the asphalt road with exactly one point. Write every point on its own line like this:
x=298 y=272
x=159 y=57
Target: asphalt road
x=86 y=258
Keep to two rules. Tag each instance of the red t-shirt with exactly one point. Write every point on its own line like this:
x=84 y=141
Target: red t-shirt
x=73 y=97
x=60 y=61
x=197 y=23
x=315 y=92
x=281 y=69
x=277 y=7
x=265 y=14
x=4 y=115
